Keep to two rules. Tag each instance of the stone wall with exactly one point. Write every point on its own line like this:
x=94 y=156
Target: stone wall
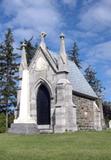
x=85 y=113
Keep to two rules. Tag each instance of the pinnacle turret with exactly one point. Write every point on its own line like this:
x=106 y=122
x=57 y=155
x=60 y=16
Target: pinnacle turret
x=63 y=54
x=42 y=39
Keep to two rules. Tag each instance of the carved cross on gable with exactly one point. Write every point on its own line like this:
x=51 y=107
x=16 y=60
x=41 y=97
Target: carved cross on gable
x=42 y=36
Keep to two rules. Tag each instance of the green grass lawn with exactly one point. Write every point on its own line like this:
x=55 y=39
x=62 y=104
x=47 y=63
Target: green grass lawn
x=68 y=146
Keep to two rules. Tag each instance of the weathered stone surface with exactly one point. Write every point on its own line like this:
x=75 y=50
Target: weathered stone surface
x=85 y=114
x=89 y=115
x=22 y=128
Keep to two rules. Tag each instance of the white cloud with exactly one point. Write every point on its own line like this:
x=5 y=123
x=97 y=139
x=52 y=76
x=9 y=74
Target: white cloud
x=108 y=72
x=70 y=2
x=21 y=33
x=87 y=2
x=31 y=17
x=84 y=35
x=107 y=91
x=101 y=51
x=98 y=55
x=96 y=17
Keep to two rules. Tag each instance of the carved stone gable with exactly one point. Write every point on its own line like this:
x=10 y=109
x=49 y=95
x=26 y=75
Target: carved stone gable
x=41 y=64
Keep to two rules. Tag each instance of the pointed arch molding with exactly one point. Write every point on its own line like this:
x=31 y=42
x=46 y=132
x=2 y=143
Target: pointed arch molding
x=33 y=97
x=44 y=82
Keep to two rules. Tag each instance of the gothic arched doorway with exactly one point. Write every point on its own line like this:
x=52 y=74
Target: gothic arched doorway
x=43 y=106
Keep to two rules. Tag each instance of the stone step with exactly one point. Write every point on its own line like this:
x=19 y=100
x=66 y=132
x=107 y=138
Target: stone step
x=45 y=131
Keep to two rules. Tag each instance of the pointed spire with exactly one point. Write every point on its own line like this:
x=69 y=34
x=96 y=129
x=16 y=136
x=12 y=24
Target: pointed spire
x=42 y=37
x=23 y=64
x=62 y=49
x=62 y=61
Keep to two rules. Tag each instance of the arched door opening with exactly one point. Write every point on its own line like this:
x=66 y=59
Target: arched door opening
x=43 y=106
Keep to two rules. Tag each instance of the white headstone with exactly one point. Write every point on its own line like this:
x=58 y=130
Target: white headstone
x=110 y=124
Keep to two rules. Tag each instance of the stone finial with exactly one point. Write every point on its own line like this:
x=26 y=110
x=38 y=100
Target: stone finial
x=42 y=37
x=62 y=35
x=23 y=45
x=23 y=64
x=62 y=48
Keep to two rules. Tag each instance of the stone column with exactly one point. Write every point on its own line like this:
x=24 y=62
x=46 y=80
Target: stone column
x=24 y=124
x=71 y=123
x=97 y=117
x=65 y=112
x=60 y=122
x=99 y=104
x=24 y=111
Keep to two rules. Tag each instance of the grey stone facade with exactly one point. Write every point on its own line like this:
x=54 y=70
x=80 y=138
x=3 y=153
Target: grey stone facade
x=61 y=103
x=61 y=78
x=85 y=113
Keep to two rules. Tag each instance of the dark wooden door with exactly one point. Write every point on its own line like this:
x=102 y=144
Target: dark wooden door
x=43 y=106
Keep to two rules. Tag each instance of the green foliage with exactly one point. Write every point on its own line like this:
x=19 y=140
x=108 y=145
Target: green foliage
x=8 y=73
x=90 y=75
x=2 y=123
x=74 y=55
x=10 y=119
x=107 y=112
x=69 y=146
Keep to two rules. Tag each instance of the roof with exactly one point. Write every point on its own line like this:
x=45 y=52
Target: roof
x=78 y=81
x=76 y=78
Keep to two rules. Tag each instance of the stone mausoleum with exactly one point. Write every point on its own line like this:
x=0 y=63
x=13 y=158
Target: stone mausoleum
x=54 y=97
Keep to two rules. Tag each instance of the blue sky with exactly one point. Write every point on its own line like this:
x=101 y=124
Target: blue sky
x=88 y=22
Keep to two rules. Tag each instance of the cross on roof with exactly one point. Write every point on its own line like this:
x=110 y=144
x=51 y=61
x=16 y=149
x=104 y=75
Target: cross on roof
x=42 y=36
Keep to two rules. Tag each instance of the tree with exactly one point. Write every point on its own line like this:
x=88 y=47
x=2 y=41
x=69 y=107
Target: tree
x=2 y=122
x=107 y=112
x=9 y=74
x=90 y=75
x=74 y=55
x=30 y=49
x=2 y=68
